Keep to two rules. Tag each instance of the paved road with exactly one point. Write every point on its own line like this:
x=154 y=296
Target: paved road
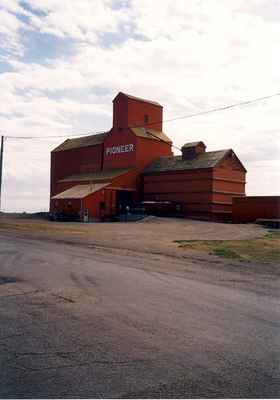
x=86 y=322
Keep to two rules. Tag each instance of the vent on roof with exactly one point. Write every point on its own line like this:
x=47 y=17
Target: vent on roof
x=190 y=151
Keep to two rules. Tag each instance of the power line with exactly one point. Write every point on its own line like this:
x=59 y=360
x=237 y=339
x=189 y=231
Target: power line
x=164 y=141
x=56 y=136
x=212 y=110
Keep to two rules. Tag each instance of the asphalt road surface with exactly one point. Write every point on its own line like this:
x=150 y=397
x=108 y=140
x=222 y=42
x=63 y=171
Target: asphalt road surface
x=85 y=322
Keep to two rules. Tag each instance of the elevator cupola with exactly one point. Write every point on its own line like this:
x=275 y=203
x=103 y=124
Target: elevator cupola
x=192 y=150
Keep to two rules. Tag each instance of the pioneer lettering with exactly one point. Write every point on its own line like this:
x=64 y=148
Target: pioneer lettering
x=123 y=148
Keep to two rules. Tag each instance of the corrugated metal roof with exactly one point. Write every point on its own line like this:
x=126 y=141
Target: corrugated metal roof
x=98 y=176
x=137 y=98
x=83 y=141
x=80 y=191
x=208 y=159
x=148 y=133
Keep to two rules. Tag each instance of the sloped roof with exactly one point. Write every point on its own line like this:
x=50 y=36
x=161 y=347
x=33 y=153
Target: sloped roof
x=137 y=98
x=98 y=176
x=192 y=144
x=148 y=133
x=83 y=141
x=80 y=191
x=208 y=159
x=92 y=140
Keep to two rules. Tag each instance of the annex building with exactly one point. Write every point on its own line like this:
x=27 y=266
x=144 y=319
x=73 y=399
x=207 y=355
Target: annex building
x=100 y=175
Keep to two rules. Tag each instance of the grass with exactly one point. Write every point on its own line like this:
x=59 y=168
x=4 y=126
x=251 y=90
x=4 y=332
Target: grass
x=265 y=249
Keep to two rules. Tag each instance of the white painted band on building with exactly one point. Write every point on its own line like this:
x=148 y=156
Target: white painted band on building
x=123 y=148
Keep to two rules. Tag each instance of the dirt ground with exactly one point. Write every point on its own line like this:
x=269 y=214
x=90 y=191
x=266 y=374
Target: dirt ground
x=155 y=235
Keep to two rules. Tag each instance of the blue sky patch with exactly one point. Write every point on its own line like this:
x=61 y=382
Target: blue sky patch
x=120 y=4
x=35 y=11
x=5 y=67
x=40 y=47
x=125 y=32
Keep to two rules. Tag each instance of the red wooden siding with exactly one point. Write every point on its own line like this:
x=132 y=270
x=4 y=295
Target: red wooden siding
x=248 y=209
x=74 y=161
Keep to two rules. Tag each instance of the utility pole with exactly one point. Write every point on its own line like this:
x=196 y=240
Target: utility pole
x=1 y=166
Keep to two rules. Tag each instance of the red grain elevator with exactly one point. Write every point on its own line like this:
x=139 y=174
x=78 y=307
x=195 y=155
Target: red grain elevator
x=97 y=175
x=115 y=159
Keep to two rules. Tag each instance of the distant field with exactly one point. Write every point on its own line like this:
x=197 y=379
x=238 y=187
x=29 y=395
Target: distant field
x=25 y=215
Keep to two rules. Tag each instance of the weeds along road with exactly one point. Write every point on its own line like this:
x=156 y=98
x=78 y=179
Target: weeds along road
x=84 y=322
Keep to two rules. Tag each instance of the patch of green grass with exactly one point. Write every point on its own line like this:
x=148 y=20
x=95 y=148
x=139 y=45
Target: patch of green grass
x=273 y=234
x=265 y=249
x=224 y=252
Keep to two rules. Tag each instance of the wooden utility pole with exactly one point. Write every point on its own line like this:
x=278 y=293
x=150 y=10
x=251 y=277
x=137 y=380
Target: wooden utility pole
x=1 y=165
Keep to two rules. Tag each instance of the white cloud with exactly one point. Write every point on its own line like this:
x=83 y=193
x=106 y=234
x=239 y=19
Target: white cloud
x=81 y=20
x=9 y=34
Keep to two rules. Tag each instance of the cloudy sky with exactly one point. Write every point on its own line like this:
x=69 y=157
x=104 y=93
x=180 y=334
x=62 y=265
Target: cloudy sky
x=63 y=61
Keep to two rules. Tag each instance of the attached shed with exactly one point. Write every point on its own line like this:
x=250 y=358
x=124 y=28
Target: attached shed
x=80 y=200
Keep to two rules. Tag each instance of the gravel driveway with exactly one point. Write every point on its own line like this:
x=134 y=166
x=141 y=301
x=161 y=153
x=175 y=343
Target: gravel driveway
x=149 y=235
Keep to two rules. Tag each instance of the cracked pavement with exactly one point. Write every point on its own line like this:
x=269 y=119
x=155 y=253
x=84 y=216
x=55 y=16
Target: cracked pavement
x=81 y=322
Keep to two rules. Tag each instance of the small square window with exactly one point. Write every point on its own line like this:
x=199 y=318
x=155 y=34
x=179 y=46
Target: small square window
x=146 y=118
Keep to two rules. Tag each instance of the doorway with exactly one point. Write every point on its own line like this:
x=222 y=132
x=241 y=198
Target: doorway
x=124 y=200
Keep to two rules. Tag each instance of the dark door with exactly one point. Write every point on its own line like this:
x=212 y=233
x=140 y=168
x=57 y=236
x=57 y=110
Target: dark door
x=124 y=200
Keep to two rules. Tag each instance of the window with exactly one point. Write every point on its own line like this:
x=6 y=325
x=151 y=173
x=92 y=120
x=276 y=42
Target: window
x=146 y=118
